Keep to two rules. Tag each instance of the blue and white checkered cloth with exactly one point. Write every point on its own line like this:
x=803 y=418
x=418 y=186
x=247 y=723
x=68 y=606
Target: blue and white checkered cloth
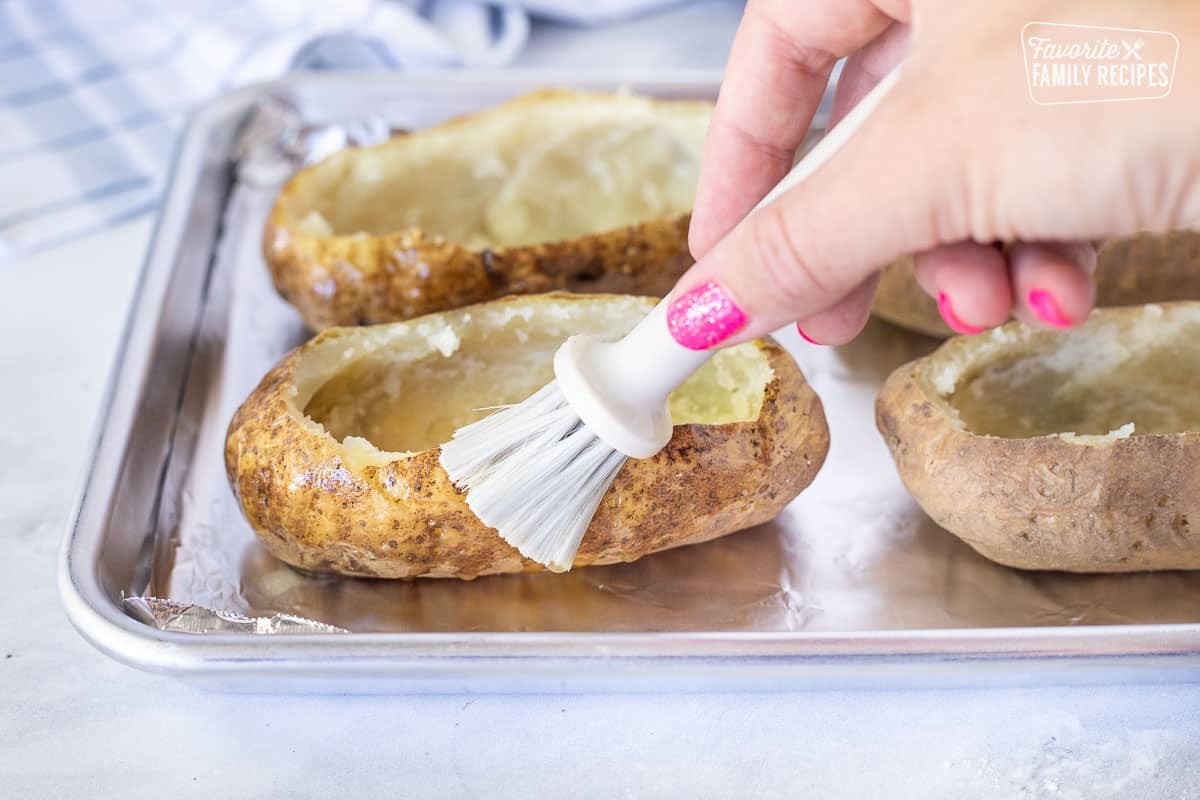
x=93 y=92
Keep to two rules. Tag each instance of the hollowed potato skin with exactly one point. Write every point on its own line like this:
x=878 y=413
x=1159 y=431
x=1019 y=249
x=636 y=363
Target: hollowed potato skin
x=363 y=279
x=1147 y=268
x=406 y=520
x=1045 y=503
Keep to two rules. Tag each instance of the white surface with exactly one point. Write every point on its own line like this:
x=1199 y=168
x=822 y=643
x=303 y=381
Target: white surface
x=75 y=724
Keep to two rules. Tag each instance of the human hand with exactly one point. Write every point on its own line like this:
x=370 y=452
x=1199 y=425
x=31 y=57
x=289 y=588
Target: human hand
x=1000 y=198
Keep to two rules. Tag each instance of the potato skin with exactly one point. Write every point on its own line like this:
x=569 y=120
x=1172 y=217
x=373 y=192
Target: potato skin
x=406 y=520
x=900 y=300
x=1045 y=503
x=357 y=280
x=361 y=279
x=1146 y=268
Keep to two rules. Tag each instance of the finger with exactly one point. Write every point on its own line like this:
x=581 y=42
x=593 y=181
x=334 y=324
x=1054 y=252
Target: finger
x=843 y=320
x=778 y=68
x=891 y=190
x=867 y=67
x=970 y=282
x=1052 y=282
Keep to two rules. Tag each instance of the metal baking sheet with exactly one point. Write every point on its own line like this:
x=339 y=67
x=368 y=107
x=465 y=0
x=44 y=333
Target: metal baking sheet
x=852 y=583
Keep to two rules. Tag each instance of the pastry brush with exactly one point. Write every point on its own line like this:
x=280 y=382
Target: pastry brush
x=537 y=470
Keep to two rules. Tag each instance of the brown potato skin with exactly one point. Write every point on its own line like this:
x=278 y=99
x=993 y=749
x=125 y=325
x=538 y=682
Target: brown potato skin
x=357 y=280
x=1044 y=503
x=406 y=520
x=1147 y=268
x=900 y=300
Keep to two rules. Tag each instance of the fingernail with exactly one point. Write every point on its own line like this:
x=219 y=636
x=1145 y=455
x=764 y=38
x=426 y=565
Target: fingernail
x=806 y=337
x=704 y=316
x=1043 y=305
x=956 y=324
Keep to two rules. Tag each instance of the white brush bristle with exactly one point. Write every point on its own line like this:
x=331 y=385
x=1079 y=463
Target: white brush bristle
x=535 y=473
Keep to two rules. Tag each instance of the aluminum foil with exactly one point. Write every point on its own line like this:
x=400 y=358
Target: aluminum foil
x=852 y=553
x=276 y=140
x=169 y=615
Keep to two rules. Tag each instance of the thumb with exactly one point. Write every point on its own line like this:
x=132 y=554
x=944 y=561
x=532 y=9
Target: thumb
x=883 y=195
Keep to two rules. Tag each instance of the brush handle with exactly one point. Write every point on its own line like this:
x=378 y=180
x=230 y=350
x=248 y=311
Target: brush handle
x=645 y=366
x=654 y=363
x=620 y=389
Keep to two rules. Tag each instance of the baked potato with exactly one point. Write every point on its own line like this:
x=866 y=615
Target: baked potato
x=555 y=190
x=1131 y=271
x=1076 y=450
x=334 y=457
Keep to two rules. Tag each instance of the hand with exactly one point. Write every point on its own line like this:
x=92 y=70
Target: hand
x=999 y=197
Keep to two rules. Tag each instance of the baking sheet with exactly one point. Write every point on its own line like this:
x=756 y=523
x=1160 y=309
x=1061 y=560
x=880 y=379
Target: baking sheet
x=852 y=553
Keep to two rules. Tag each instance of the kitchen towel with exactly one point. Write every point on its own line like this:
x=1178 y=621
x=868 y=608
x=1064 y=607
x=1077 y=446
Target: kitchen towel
x=93 y=93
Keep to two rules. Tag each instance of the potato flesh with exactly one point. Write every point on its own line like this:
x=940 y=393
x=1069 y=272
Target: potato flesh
x=411 y=392
x=1093 y=381
x=546 y=172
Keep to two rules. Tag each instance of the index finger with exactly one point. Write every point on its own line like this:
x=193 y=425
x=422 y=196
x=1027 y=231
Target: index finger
x=778 y=68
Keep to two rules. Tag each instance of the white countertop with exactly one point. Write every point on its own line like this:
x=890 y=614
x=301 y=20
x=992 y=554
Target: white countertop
x=75 y=724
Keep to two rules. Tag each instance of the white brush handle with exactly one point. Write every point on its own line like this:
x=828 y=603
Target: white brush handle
x=654 y=363
x=639 y=372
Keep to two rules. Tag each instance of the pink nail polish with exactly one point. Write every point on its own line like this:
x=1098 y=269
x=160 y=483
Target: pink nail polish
x=704 y=316
x=806 y=337
x=956 y=324
x=1043 y=305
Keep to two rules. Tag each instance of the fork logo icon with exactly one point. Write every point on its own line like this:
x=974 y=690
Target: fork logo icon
x=1133 y=49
